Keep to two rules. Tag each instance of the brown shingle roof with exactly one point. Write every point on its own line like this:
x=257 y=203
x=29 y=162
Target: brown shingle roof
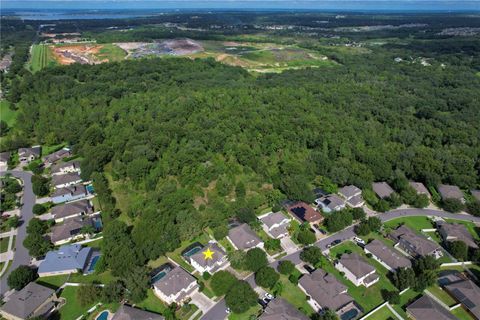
x=468 y=294
x=426 y=308
x=243 y=237
x=388 y=255
x=304 y=212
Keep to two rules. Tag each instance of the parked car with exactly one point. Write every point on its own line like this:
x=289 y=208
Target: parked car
x=359 y=241
x=228 y=310
x=308 y=268
x=263 y=303
x=268 y=296
x=335 y=242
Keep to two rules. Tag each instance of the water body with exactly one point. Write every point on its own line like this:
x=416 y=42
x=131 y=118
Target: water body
x=108 y=9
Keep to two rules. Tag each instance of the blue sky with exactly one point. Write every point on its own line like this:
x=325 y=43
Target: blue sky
x=401 y=5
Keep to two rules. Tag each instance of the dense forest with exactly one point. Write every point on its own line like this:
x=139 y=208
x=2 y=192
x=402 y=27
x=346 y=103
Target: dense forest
x=195 y=143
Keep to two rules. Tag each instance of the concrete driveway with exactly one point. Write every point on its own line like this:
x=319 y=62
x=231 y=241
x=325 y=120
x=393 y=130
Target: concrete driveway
x=288 y=245
x=202 y=301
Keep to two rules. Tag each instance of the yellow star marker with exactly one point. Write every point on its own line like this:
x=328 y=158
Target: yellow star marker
x=208 y=254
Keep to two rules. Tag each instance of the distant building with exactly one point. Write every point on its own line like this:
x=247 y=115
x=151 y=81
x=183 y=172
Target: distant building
x=66 y=180
x=4 y=160
x=382 y=189
x=388 y=257
x=305 y=213
x=217 y=262
x=353 y=196
x=419 y=188
x=357 y=270
x=414 y=244
x=66 y=167
x=275 y=224
x=57 y=156
x=467 y=293
x=325 y=291
x=32 y=301
x=475 y=194
x=69 y=193
x=26 y=155
x=450 y=192
x=456 y=232
x=280 y=309
x=67 y=259
x=243 y=237
x=176 y=286
x=71 y=210
x=331 y=203
x=426 y=308
x=126 y=312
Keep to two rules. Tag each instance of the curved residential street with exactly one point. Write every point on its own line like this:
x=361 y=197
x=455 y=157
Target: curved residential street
x=21 y=256
x=217 y=312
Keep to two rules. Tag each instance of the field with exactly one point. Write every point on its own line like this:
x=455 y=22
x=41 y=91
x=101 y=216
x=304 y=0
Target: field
x=6 y=114
x=89 y=53
x=41 y=57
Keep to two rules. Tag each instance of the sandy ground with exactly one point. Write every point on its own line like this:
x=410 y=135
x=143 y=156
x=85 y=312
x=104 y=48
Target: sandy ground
x=84 y=54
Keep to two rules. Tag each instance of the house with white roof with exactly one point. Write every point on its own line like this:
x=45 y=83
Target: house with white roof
x=217 y=261
x=275 y=224
x=357 y=270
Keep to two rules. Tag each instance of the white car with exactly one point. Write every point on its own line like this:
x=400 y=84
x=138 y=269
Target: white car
x=358 y=240
x=268 y=296
x=228 y=310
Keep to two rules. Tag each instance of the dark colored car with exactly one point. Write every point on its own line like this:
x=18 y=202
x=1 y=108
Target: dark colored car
x=262 y=303
x=308 y=268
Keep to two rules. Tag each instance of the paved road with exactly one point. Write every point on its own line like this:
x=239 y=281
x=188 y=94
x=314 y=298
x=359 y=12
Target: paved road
x=217 y=312
x=21 y=256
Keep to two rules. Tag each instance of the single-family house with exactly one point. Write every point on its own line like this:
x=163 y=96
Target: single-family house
x=176 y=286
x=69 y=258
x=71 y=210
x=450 y=192
x=456 y=232
x=74 y=228
x=325 y=291
x=26 y=155
x=419 y=188
x=57 y=156
x=66 y=180
x=305 y=213
x=69 y=193
x=357 y=270
x=243 y=237
x=475 y=194
x=330 y=203
x=66 y=167
x=414 y=244
x=467 y=293
x=4 y=160
x=126 y=312
x=32 y=301
x=387 y=256
x=275 y=224
x=280 y=309
x=353 y=196
x=382 y=189
x=425 y=308
x=217 y=261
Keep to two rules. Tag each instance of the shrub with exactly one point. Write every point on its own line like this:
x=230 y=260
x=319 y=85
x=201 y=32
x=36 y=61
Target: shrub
x=452 y=205
x=266 y=277
x=39 y=209
x=221 y=282
x=286 y=267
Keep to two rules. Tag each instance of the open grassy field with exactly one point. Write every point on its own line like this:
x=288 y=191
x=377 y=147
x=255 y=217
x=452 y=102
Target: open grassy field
x=41 y=57
x=6 y=114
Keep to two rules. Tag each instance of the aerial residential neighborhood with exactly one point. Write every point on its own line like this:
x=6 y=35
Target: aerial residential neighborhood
x=239 y=160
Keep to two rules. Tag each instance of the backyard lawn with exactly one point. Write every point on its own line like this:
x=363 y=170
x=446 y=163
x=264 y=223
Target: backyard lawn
x=441 y=295
x=53 y=282
x=177 y=254
x=8 y=115
x=295 y=296
x=462 y=314
x=246 y=315
x=72 y=309
x=104 y=278
x=415 y=223
x=383 y=313
x=152 y=303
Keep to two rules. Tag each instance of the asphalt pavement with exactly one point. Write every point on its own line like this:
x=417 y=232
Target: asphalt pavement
x=21 y=256
x=218 y=312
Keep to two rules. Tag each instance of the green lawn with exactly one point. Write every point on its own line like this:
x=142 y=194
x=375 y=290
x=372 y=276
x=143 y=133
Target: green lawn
x=186 y=311
x=53 y=282
x=6 y=114
x=442 y=295
x=462 y=314
x=72 y=309
x=4 y=244
x=415 y=223
x=152 y=303
x=383 y=313
x=406 y=299
x=46 y=150
x=368 y=298
x=104 y=278
x=246 y=315
x=295 y=296
x=111 y=52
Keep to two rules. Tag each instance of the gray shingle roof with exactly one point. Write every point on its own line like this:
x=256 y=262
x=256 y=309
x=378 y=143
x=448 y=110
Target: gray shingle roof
x=356 y=201
x=388 y=255
x=24 y=302
x=57 y=155
x=174 y=281
x=456 y=231
x=35 y=151
x=56 y=168
x=426 y=308
x=243 y=237
x=356 y=264
x=468 y=294
x=5 y=156
x=418 y=243
x=218 y=255
x=332 y=201
x=325 y=289
x=67 y=257
x=70 y=228
x=349 y=191
x=450 y=192
x=71 y=209
x=273 y=218
x=74 y=190
x=280 y=309
x=382 y=189
x=69 y=177
x=419 y=187
x=476 y=194
x=129 y=313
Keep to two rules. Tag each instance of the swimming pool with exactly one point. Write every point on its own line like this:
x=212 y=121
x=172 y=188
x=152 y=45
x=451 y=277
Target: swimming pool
x=350 y=314
x=91 y=268
x=89 y=188
x=160 y=272
x=192 y=249
x=103 y=315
